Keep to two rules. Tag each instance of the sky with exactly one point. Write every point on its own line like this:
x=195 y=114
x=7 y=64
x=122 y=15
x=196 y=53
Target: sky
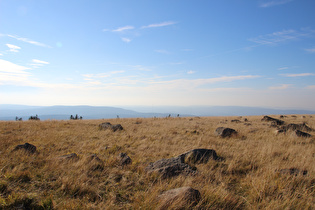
x=258 y=53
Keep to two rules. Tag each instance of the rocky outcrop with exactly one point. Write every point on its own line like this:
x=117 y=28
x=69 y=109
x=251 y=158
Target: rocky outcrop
x=302 y=134
x=274 y=120
x=182 y=163
x=170 y=167
x=107 y=125
x=199 y=156
x=179 y=198
x=225 y=132
x=293 y=126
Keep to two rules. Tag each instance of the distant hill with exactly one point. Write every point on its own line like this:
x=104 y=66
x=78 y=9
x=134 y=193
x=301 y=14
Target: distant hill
x=9 y=112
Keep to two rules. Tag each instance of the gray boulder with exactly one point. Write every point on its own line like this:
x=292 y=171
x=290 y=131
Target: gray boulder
x=199 y=156
x=170 y=167
x=225 y=132
x=30 y=148
x=274 y=120
x=108 y=125
x=181 y=164
x=293 y=127
x=179 y=198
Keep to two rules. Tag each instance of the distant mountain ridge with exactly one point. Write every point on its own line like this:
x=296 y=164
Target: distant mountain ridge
x=9 y=112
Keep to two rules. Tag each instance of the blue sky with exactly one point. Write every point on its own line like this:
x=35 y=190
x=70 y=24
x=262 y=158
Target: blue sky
x=166 y=52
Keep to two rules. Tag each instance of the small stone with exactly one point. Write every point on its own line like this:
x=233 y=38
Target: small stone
x=124 y=159
x=26 y=147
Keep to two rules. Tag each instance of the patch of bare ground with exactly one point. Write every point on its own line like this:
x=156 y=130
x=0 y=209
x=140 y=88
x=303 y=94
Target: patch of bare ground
x=257 y=168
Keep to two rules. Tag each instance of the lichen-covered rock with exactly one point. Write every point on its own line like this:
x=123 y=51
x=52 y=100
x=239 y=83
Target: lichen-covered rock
x=179 y=198
x=225 y=132
x=181 y=164
x=199 y=156
x=294 y=127
x=274 y=120
x=30 y=148
x=170 y=167
x=108 y=125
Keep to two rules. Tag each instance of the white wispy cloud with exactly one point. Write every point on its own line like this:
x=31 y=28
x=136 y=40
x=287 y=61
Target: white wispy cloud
x=274 y=3
x=37 y=63
x=310 y=50
x=283 y=68
x=13 y=48
x=281 y=87
x=195 y=83
x=124 y=39
x=298 y=75
x=28 y=41
x=311 y=87
x=11 y=72
x=162 y=51
x=155 y=25
x=124 y=28
x=191 y=72
x=279 y=36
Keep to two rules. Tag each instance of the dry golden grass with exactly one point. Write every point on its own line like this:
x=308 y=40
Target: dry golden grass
x=246 y=179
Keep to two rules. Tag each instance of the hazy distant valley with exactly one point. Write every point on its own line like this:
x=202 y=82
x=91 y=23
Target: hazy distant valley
x=10 y=112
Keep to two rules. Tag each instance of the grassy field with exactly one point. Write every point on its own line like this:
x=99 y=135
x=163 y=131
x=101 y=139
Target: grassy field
x=247 y=178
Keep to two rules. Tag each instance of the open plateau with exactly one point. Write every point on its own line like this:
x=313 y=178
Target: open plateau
x=248 y=162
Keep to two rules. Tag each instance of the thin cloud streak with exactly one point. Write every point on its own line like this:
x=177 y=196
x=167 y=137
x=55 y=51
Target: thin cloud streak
x=298 y=75
x=13 y=48
x=311 y=50
x=282 y=87
x=274 y=3
x=39 y=61
x=155 y=25
x=28 y=41
x=124 y=28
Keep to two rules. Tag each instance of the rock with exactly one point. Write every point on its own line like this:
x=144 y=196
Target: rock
x=107 y=125
x=179 y=198
x=270 y=119
x=292 y=171
x=225 y=132
x=293 y=127
x=302 y=134
x=236 y=121
x=180 y=164
x=170 y=167
x=199 y=156
x=71 y=156
x=30 y=148
x=124 y=159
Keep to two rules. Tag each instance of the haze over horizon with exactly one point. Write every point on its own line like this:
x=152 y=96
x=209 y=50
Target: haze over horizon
x=258 y=53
